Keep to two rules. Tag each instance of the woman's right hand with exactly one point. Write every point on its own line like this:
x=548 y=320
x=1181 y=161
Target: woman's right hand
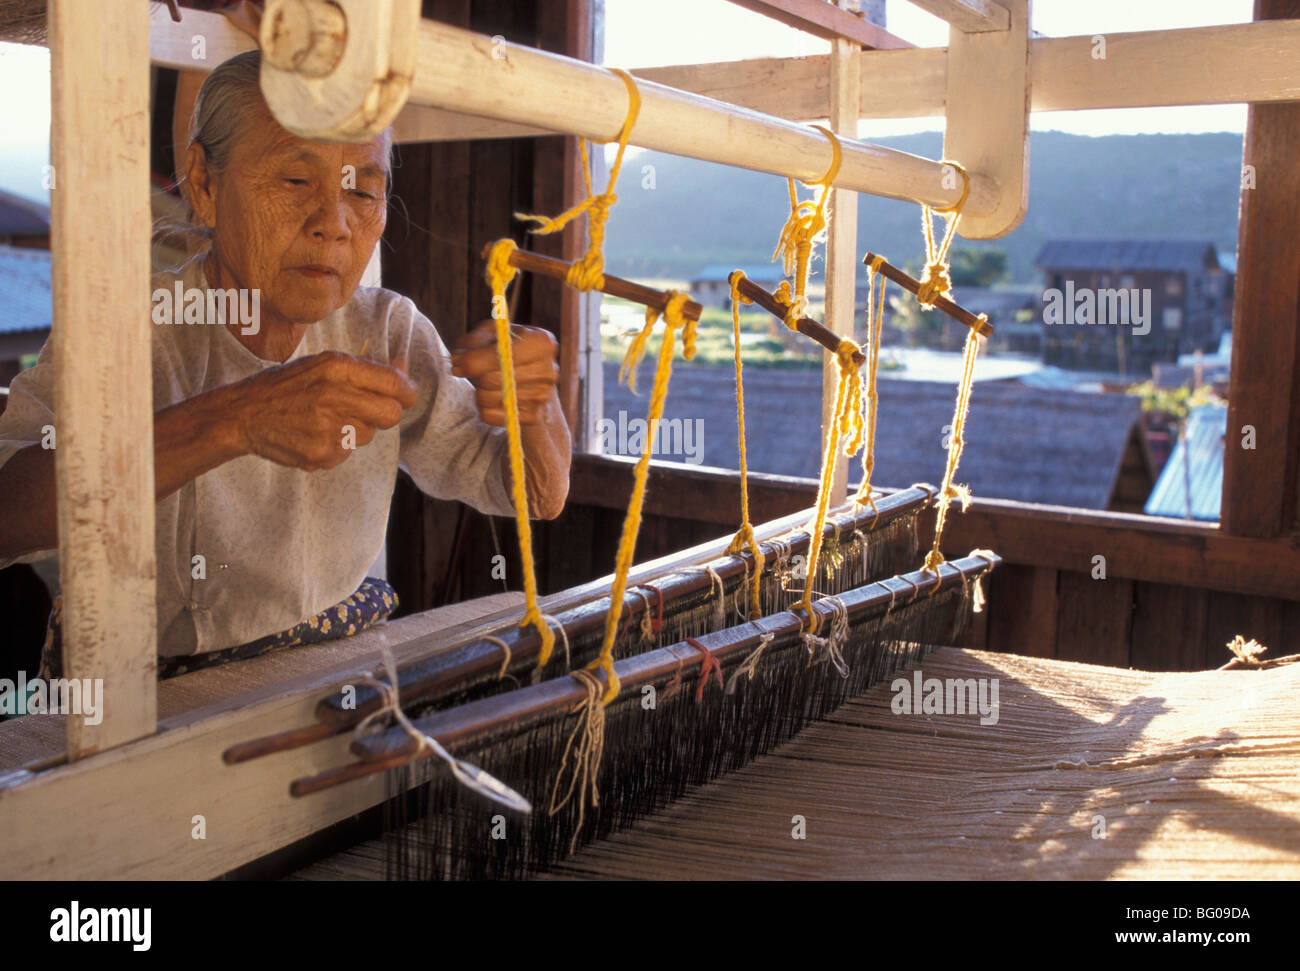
x=313 y=413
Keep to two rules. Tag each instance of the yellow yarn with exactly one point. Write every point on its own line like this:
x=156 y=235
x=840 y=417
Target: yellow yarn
x=588 y=273
x=499 y=275
x=956 y=443
x=744 y=537
x=846 y=424
x=875 y=321
x=806 y=223
x=674 y=320
x=936 y=282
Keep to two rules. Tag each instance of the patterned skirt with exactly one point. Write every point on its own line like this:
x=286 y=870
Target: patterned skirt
x=373 y=602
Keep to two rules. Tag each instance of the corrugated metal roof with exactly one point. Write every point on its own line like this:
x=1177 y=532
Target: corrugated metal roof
x=26 y=299
x=23 y=217
x=1176 y=255
x=719 y=272
x=1026 y=444
x=1202 y=454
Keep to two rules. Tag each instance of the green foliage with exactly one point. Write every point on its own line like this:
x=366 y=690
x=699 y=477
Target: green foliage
x=1177 y=403
x=970 y=267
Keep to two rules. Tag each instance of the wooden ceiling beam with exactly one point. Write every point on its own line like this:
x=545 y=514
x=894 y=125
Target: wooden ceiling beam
x=970 y=16
x=825 y=20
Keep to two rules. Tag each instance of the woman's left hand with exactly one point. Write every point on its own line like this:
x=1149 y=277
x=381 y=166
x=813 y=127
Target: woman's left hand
x=535 y=352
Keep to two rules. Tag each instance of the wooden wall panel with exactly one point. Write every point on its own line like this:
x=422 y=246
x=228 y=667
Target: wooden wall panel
x=1094 y=619
x=1024 y=619
x=1169 y=628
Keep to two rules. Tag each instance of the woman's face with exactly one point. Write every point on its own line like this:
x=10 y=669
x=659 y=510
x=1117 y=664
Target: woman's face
x=297 y=220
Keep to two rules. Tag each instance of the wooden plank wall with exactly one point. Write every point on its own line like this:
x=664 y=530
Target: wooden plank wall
x=451 y=200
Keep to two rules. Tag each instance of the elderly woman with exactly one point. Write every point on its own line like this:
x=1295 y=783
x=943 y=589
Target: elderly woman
x=277 y=441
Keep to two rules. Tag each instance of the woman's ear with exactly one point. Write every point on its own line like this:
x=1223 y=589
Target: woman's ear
x=200 y=185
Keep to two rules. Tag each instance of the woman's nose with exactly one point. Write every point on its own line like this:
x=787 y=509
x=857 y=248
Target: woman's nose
x=329 y=220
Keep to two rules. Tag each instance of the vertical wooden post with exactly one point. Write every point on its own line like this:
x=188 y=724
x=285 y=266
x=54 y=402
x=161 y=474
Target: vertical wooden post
x=842 y=235
x=100 y=226
x=1260 y=492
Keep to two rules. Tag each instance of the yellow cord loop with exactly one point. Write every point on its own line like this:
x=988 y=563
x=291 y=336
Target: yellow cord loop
x=744 y=538
x=847 y=425
x=875 y=321
x=674 y=321
x=936 y=281
x=802 y=230
x=956 y=443
x=588 y=273
x=499 y=275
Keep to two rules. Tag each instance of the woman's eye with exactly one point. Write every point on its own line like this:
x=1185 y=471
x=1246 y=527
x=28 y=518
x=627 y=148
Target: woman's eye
x=296 y=181
x=363 y=195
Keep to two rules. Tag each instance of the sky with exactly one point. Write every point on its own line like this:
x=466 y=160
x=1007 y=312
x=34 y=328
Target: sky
x=644 y=33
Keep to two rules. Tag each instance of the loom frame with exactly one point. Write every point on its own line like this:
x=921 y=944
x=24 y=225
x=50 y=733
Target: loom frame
x=127 y=777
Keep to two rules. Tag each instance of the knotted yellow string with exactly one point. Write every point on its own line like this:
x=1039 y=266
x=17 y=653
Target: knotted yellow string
x=744 y=538
x=936 y=282
x=956 y=443
x=499 y=275
x=875 y=321
x=806 y=224
x=674 y=320
x=846 y=425
x=588 y=273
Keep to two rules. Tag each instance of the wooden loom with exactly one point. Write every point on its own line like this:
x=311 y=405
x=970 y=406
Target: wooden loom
x=444 y=68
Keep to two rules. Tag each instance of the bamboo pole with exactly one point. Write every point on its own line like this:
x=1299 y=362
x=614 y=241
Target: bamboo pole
x=102 y=374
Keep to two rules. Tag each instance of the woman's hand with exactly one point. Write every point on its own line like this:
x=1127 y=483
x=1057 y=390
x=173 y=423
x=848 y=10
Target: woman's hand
x=536 y=372
x=313 y=413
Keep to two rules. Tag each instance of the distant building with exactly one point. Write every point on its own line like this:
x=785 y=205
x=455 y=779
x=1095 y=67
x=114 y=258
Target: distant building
x=24 y=222
x=1191 y=484
x=1123 y=305
x=1062 y=448
x=710 y=288
x=27 y=303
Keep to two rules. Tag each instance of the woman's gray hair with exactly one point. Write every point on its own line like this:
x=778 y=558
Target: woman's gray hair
x=224 y=105
x=227 y=103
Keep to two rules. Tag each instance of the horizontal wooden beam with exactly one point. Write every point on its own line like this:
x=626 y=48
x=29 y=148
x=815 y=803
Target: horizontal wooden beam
x=1234 y=63
x=825 y=20
x=970 y=16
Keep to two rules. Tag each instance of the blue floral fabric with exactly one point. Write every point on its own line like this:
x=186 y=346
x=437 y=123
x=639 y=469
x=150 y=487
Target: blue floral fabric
x=372 y=602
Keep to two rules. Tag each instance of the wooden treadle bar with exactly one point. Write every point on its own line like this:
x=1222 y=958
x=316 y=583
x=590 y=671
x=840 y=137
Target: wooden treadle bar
x=909 y=283
x=806 y=326
x=431 y=678
x=530 y=262
x=393 y=747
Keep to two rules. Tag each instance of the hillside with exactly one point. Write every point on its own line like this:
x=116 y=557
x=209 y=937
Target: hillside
x=1177 y=186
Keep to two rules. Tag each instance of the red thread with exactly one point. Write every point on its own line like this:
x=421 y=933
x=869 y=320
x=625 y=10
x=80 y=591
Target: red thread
x=710 y=662
x=657 y=624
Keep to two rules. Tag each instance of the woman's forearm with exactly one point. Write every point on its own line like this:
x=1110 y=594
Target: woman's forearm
x=194 y=437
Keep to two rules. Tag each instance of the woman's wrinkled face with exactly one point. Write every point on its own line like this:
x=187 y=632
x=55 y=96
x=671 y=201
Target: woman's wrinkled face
x=295 y=219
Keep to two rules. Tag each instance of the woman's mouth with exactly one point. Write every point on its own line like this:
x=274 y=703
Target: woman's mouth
x=316 y=272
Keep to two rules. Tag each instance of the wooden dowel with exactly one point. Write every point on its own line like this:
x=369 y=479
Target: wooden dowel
x=454 y=727
x=425 y=680
x=913 y=286
x=809 y=328
x=530 y=262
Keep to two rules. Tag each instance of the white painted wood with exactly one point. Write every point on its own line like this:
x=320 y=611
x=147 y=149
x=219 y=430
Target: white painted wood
x=368 y=85
x=470 y=73
x=100 y=228
x=988 y=118
x=841 y=242
x=971 y=16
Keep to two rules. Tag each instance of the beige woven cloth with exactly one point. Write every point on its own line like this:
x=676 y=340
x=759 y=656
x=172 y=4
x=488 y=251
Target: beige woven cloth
x=890 y=796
